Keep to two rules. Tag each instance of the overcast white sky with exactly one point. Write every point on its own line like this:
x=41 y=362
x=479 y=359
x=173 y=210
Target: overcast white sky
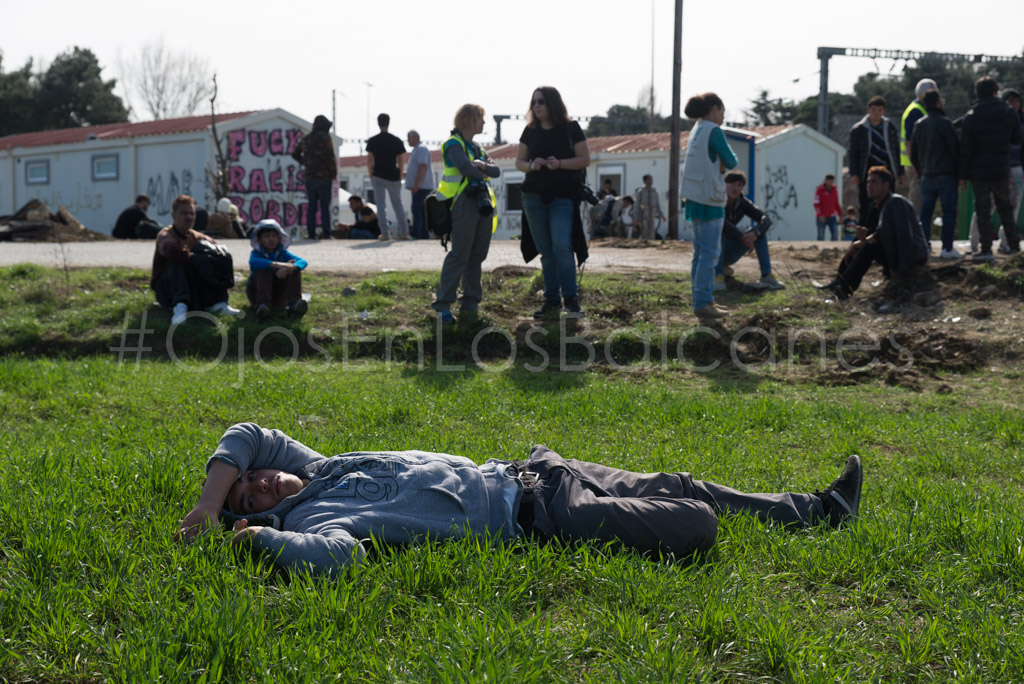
x=424 y=61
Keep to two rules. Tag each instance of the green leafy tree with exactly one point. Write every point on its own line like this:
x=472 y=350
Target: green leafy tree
x=626 y=120
x=17 y=106
x=72 y=93
x=765 y=111
x=838 y=103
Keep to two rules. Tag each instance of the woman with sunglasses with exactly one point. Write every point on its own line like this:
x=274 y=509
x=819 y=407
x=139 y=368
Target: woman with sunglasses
x=552 y=150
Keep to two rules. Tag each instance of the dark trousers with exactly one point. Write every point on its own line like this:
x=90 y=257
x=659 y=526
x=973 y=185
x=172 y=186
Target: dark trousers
x=852 y=272
x=984 y=192
x=865 y=202
x=419 y=214
x=471 y=239
x=264 y=287
x=944 y=189
x=649 y=512
x=179 y=283
x=318 y=193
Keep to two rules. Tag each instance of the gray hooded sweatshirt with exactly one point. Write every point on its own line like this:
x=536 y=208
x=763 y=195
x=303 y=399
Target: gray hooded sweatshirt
x=395 y=497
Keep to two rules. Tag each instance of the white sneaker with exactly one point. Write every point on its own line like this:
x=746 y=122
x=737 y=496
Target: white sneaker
x=950 y=254
x=383 y=237
x=179 y=313
x=771 y=283
x=224 y=308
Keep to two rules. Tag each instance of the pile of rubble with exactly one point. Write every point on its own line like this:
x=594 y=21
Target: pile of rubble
x=35 y=223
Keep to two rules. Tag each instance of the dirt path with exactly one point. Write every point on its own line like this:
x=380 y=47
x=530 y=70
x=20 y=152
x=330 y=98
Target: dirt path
x=351 y=256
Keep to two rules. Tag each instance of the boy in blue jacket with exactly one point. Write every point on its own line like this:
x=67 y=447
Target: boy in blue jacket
x=275 y=281
x=310 y=512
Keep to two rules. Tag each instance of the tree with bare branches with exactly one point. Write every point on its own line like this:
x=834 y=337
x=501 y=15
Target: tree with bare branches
x=168 y=84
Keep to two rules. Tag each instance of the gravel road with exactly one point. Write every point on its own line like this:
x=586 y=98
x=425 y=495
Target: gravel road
x=354 y=256
x=338 y=256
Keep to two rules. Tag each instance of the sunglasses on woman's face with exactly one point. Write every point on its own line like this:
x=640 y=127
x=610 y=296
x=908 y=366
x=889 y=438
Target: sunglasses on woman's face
x=538 y=102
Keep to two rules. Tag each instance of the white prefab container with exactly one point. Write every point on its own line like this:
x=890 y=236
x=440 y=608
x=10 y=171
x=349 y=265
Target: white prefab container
x=97 y=171
x=790 y=165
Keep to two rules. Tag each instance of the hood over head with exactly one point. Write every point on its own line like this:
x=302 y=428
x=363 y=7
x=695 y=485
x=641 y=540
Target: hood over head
x=269 y=224
x=321 y=123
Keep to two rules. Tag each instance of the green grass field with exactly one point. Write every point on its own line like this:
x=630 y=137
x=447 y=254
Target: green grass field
x=101 y=459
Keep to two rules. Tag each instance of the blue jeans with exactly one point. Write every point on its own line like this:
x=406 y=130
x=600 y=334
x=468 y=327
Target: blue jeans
x=419 y=214
x=551 y=228
x=733 y=249
x=318 y=192
x=833 y=226
x=707 y=245
x=945 y=190
x=360 y=234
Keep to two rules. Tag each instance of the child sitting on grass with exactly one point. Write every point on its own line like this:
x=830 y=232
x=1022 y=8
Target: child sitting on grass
x=307 y=511
x=275 y=280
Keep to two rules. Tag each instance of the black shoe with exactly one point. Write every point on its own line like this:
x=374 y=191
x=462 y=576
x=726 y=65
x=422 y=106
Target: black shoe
x=572 y=306
x=262 y=313
x=298 y=308
x=551 y=309
x=839 y=292
x=830 y=286
x=841 y=501
x=983 y=255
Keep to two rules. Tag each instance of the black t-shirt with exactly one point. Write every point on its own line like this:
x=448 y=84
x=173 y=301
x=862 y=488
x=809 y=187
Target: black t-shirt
x=124 y=228
x=385 y=149
x=558 y=142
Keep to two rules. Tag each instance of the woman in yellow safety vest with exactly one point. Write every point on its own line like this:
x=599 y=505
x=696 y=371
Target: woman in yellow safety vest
x=465 y=180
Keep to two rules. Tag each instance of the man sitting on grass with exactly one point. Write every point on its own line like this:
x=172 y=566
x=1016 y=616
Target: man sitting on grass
x=178 y=280
x=305 y=510
x=275 y=277
x=893 y=237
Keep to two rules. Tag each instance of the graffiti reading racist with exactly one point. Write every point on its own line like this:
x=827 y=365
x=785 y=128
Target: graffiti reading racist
x=779 y=193
x=264 y=181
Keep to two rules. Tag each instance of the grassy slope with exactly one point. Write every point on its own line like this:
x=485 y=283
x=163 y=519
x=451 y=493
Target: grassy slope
x=100 y=461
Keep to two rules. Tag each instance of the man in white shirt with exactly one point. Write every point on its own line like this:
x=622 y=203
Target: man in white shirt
x=419 y=179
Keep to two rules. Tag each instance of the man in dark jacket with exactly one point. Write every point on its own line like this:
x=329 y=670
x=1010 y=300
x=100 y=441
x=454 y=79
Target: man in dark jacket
x=130 y=218
x=874 y=141
x=989 y=129
x=895 y=238
x=934 y=152
x=1013 y=99
x=320 y=167
x=736 y=242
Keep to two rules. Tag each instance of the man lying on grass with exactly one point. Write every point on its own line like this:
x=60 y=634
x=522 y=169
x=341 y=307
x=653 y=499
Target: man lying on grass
x=305 y=510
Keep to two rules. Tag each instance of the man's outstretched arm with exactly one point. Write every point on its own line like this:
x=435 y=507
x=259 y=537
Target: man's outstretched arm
x=206 y=512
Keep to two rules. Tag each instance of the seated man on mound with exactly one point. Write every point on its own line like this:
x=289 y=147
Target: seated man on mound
x=275 y=277
x=736 y=242
x=178 y=278
x=307 y=511
x=893 y=237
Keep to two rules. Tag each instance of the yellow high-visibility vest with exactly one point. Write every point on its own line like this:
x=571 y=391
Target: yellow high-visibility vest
x=904 y=158
x=453 y=183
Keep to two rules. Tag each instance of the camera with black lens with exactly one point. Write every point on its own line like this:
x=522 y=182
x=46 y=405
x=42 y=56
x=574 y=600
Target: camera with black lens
x=477 y=189
x=588 y=195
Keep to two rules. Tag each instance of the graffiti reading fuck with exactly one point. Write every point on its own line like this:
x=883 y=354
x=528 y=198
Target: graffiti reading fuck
x=264 y=180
